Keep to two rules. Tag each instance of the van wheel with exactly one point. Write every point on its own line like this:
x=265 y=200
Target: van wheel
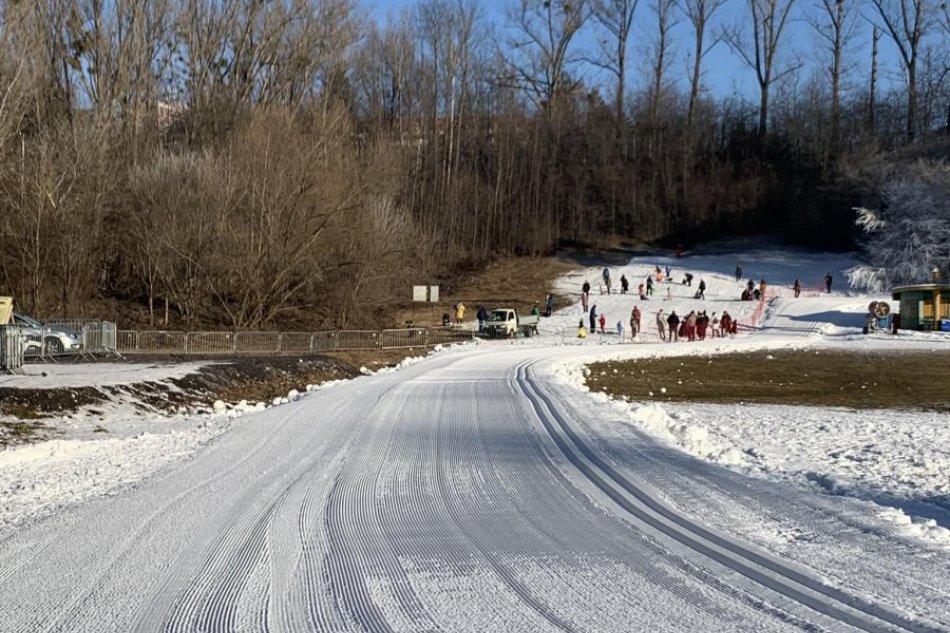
x=54 y=346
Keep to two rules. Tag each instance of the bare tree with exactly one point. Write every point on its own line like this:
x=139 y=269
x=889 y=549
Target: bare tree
x=835 y=25
x=383 y=74
x=906 y=22
x=872 y=96
x=616 y=18
x=540 y=52
x=663 y=11
x=699 y=13
x=768 y=19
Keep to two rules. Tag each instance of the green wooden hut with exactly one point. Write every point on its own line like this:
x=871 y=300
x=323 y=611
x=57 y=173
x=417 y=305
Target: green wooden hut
x=924 y=306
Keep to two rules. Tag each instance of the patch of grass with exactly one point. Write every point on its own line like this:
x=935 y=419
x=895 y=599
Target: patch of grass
x=861 y=380
x=511 y=282
x=20 y=411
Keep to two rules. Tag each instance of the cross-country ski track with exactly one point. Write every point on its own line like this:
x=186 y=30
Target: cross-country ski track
x=472 y=491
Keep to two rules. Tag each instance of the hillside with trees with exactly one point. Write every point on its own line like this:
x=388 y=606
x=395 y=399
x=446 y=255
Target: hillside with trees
x=249 y=164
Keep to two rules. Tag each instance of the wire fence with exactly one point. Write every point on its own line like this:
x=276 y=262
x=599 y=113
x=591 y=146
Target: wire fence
x=64 y=338
x=131 y=342
x=54 y=339
x=11 y=349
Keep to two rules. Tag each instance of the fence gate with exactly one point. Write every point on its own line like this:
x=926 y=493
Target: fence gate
x=11 y=350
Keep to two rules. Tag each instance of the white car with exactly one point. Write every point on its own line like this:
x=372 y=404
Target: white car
x=47 y=341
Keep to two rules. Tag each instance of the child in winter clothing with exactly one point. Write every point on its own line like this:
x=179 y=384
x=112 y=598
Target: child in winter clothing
x=581 y=332
x=603 y=324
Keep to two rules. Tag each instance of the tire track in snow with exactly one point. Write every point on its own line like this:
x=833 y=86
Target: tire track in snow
x=759 y=568
x=517 y=501
x=450 y=501
x=95 y=579
x=644 y=564
x=362 y=559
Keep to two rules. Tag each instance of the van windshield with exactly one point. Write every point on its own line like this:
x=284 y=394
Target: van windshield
x=498 y=315
x=25 y=321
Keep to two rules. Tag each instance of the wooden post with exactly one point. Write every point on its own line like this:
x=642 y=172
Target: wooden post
x=937 y=308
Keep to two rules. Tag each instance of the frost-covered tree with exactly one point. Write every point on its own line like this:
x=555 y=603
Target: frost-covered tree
x=910 y=234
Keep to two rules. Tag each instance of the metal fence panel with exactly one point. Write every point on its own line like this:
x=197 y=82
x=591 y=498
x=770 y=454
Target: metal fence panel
x=324 y=341
x=126 y=341
x=448 y=335
x=256 y=342
x=108 y=339
x=402 y=338
x=210 y=342
x=92 y=339
x=295 y=342
x=76 y=325
x=11 y=349
x=357 y=339
x=160 y=342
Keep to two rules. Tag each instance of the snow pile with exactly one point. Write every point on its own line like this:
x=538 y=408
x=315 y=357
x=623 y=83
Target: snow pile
x=37 y=479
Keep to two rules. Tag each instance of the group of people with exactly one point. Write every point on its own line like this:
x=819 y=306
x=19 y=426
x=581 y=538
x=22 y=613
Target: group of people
x=694 y=326
x=751 y=292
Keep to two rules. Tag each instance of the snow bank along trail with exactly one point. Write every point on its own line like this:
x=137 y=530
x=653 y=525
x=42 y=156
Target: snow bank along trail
x=464 y=493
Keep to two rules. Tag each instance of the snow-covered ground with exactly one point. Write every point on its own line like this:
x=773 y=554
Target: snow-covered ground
x=64 y=375
x=486 y=489
x=899 y=459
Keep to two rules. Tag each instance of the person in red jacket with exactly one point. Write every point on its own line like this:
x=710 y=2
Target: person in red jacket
x=603 y=323
x=636 y=315
x=725 y=323
x=701 y=322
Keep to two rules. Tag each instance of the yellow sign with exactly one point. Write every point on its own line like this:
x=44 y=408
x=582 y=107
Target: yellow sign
x=6 y=310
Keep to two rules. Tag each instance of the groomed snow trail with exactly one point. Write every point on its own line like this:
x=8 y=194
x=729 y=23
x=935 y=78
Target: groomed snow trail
x=460 y=494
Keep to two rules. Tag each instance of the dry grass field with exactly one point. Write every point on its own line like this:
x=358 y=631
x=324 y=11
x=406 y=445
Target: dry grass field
x=917 y=380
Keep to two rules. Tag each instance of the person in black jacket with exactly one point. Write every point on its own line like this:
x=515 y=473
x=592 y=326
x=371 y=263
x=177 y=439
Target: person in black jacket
x=674 y=322
x=593 y=318
x=482 y=316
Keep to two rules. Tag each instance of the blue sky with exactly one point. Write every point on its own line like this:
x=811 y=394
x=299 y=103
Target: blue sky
x=725 y=73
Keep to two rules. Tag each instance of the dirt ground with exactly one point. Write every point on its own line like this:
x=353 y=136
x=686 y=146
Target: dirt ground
x=22 y=411
x=860 y=380
x=517 y=282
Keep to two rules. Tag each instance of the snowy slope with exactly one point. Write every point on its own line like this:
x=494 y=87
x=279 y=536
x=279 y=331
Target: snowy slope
x=482 y=490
